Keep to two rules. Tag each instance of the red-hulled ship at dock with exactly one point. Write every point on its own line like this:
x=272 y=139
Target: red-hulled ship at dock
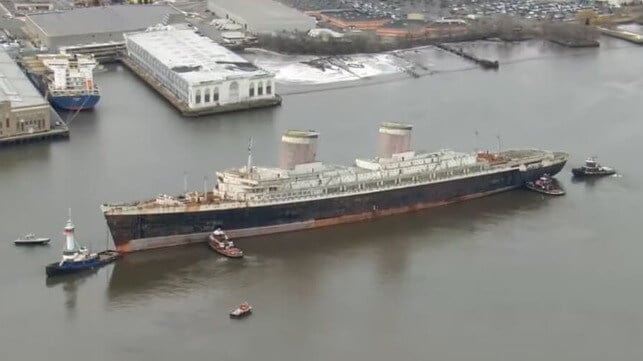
x=303 y=193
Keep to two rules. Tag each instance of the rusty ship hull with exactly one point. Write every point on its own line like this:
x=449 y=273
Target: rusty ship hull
x=147 y=230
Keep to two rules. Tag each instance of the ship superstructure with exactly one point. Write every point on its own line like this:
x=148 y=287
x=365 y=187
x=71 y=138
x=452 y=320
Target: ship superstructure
x=66 y=80
x=305 y=193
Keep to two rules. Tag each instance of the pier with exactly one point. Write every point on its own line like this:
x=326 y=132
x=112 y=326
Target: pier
x=486 y=64
x=182 y=106
x=623 y=35
x=59 y=130
x=576 y=43
x=60 y=133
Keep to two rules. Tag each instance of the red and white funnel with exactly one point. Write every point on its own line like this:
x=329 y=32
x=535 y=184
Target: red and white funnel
x=69 y=235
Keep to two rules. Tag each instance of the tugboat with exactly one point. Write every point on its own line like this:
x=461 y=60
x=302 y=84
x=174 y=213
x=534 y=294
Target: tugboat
x=243 y=310
x=545 y=184
x=592 y=169
x=76 y=258
x=31 y=240
x=220 y=242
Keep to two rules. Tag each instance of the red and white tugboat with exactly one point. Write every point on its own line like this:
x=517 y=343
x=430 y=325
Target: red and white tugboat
x=220 y=242
x=243 y=310
x=547 y=185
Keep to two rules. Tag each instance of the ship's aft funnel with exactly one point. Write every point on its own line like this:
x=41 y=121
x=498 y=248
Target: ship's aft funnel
x=298 y=147
x=394 y=138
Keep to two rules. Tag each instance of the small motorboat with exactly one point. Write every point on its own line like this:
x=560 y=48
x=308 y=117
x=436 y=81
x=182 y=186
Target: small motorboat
x=547 y=185
x=243 y=310
x=76 y=258
x=31 y=240
x=220 y=242
x=592 y=169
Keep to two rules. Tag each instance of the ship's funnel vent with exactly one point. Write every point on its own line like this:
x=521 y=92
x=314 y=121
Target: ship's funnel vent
x=394 y=138
x=298 y=147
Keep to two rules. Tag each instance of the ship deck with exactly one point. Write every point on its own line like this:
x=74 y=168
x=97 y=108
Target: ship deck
x=196 y=202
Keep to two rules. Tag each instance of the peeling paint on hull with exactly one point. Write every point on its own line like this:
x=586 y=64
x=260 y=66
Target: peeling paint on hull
x=148 y=231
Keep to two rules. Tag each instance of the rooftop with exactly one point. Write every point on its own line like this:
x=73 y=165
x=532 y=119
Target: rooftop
x=264 y=14
x=32 y=1
x=117 y=18
x=352 y=15
x=14 y=85
x=195 y=58
x=407 y=24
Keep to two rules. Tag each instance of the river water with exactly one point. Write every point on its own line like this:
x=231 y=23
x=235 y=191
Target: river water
x=515 y=276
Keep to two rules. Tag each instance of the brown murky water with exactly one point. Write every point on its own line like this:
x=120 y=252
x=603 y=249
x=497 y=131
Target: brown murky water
x=510 y=277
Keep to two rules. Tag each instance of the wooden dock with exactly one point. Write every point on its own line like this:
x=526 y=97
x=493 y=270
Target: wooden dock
x=486 y=64
x=182 y=106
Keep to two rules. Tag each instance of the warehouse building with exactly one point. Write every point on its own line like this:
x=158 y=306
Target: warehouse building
x=23 y=6
x=198 y=72
x=262 y=16
x=23 y=110
x=91 y=25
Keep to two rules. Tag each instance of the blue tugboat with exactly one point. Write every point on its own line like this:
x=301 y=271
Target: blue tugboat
x=76 y=258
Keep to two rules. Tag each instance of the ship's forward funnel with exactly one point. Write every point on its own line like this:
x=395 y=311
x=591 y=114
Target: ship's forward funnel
x=298 y=147
x=394 y=138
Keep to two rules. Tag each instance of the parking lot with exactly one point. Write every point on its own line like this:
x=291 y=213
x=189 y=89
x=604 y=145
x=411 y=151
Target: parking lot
x=527 y=9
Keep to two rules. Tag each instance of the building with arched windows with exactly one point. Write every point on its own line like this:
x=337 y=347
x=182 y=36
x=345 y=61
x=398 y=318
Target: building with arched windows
x=200 y=73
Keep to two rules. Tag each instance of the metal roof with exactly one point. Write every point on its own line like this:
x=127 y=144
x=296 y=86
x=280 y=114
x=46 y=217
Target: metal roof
x=117 y=18
x=14 y=85
x=266 y=15
x=194 y=58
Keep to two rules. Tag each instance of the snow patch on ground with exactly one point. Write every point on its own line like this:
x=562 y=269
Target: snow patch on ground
x=328 y=69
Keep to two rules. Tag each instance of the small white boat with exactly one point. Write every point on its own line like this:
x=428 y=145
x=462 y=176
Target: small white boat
x=31 y=239
x=243 y=310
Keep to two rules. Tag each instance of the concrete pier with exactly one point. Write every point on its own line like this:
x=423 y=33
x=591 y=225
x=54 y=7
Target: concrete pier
x=623 y=35
x=59 y=130
x=576 y=43
x=182 y=107
x=62 y=133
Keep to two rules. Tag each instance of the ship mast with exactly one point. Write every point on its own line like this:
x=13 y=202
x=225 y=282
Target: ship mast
x=249 y=164
x=477 y=146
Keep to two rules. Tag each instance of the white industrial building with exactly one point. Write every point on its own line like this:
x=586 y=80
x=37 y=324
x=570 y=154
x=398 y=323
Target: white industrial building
x=198 y=71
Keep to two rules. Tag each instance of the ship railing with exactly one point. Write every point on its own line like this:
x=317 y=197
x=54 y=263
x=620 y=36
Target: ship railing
x=451 y=174
x=350 y=189
x=74 y=92
x=126 y=208
x=116 y=209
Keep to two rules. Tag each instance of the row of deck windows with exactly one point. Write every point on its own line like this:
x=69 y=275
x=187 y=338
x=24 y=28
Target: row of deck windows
x=378 y=184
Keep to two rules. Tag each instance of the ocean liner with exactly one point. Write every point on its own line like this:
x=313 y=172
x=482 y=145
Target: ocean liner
x=303 y=193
